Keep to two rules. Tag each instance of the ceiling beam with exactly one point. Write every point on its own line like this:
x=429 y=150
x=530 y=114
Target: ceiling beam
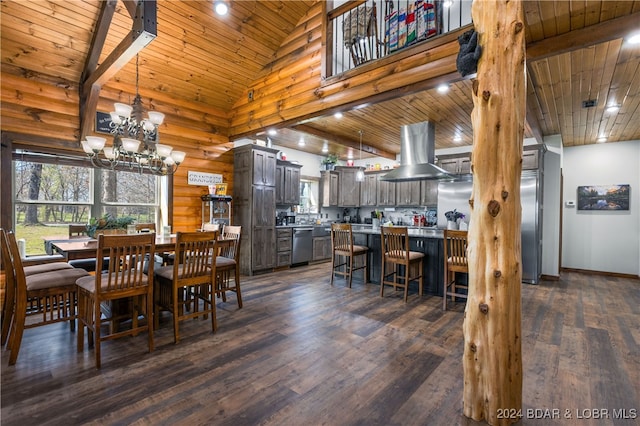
x=350 y=143
x=144 y=30
x=578 y=39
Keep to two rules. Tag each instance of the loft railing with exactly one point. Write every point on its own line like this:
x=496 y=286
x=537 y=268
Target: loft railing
x=362 y=31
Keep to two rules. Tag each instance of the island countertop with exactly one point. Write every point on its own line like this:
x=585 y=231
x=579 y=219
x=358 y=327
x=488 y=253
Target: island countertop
x=414 y=231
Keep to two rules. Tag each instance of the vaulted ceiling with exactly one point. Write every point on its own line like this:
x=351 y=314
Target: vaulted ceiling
x=200 y=66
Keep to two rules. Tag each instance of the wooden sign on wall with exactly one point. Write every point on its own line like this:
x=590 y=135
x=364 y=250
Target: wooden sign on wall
x=200 y=178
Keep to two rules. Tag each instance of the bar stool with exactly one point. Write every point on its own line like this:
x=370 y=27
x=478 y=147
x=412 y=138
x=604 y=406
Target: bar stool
x=342 y=245
x=455 y=260
x=395 y=251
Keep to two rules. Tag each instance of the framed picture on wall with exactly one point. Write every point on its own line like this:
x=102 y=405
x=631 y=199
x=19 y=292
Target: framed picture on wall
x=603 y=197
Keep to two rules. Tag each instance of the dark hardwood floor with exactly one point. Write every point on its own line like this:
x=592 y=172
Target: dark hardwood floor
x=301 y=352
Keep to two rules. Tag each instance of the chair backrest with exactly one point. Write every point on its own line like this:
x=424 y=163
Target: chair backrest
x=10 y=283
x=15 y=278
x=395 y=243
x=194 y=251
x=151 y=227
x=455 y=250
x=231 y=250
x=341 y=237
x=126 y=255
x=209 y=227
x=77 y=231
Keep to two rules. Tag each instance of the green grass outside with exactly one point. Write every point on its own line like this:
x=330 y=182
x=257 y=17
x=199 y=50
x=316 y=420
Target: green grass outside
x=34 y=236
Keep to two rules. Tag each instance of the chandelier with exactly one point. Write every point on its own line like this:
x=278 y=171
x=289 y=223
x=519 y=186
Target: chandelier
x=135 y=141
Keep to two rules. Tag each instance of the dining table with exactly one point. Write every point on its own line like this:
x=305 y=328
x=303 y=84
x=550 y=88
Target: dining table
x=85 y=248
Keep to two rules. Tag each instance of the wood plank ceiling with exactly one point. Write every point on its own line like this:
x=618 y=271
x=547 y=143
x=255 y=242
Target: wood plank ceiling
x=200 y=65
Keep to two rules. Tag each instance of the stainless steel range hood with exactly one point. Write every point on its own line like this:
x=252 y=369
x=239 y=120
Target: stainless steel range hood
x=417 y=153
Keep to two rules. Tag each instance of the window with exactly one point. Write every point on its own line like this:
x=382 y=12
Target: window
x=49 y=195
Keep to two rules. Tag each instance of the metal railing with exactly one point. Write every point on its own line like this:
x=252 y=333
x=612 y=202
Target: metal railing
x=362 y=31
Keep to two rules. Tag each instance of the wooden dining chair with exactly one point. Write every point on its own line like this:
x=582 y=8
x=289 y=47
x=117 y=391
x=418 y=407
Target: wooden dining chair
x=343 y=250
x=228 y=263
x=187 y=288
x=145 y=227
x=45 y=296
x=123 y=279
x=395 y=252
x=455 y=260
x=77 y=230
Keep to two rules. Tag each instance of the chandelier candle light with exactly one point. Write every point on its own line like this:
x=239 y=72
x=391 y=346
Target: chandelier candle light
x=135 y=141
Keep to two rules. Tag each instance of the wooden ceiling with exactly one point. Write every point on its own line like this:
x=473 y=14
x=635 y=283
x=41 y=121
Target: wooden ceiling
x=200 y=65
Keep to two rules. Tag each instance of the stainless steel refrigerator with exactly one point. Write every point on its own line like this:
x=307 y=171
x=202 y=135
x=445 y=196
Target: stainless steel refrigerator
x=455 y=195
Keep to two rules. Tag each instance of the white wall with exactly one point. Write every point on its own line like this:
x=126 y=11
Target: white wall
x=607 y=241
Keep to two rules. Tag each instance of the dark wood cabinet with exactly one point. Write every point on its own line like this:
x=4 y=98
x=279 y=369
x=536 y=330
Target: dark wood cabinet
x=328 y=189
x=287 y=180
x=349 y=187
x=459 y=164
x=408 y=193
x=530 y=158
x=428 y=192
x=369 y=190
x=321 y=248
x=284 y=240
x=255 y=200
x=386 y=192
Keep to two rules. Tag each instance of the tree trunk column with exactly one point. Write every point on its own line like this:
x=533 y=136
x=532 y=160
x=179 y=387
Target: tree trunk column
x=492 y=326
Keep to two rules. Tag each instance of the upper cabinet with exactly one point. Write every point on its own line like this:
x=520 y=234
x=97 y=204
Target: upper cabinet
x=408 y=193
x=459 y=164
x=328 y=189
x=264 y=167
x=386 y=192
x=428 y=192
x=349 y=188
x=369 y=190
x=287 y=183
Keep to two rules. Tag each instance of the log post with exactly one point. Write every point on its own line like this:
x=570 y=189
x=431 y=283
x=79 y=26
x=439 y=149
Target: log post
x=492 y=360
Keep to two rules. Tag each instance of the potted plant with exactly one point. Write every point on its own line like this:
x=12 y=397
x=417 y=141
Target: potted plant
x=452 y=218
x=107 y=222
x=330 y=162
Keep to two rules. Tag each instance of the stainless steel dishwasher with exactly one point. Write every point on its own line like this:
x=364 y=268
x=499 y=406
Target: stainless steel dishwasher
x=302 y=245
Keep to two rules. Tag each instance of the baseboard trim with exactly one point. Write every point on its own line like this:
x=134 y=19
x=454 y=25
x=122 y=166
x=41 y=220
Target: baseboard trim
x=609 y=274
x=550 y=277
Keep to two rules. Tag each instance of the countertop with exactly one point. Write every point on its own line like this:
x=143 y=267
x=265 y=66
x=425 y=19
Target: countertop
x=358 y=228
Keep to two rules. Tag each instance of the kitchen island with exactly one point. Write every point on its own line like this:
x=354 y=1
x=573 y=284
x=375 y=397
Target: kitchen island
x=422 y=239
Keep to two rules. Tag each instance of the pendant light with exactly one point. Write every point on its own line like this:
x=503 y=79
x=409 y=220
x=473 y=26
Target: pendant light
x=360 y=172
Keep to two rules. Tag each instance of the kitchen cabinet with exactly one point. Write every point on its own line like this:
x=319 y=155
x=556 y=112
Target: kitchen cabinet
x=386 y=191
x=284 y=239
x=321 y=248
x=255 y=206
x=428 y=192
x=264 y=167
x=329 y=189
x=349 y=187
x=459 y=164
x=369 y=190
x=287 y=179
x=408 y=193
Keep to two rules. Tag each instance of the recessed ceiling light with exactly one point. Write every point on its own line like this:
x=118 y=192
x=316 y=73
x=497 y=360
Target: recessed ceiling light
x=443 y=88
x=613 y=108
x=221 y=8
x=601 y=139
x=272 y=132
x=338 y=115
x=301 y=142
x=634 y=39
x=457 y=138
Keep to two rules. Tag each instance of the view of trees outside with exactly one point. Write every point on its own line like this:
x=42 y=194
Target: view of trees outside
x=48 y=197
